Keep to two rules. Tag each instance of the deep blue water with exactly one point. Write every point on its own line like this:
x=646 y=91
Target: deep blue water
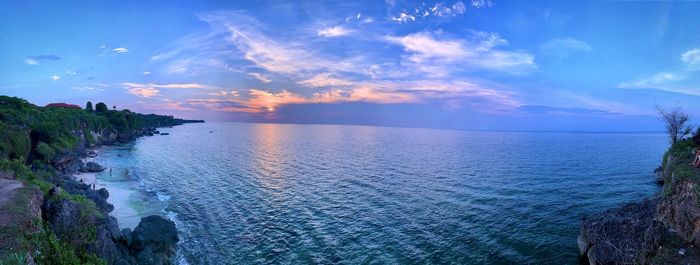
x=327 y=194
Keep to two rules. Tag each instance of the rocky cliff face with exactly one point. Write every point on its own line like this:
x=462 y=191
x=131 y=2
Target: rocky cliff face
x=152 y=242
x=85 y=227
x=659 y=230
x=681 y=212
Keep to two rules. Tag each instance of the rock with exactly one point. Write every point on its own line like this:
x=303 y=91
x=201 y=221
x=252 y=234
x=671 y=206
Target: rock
x=682 y=251
x=91 y=167
x=164 y=134
x=153 y=241
x=127 y=235
x=622 y=235
x=659 y=172
x=681 y=211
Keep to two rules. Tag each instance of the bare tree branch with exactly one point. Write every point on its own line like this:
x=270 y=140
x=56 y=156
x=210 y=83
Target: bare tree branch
x=676 y=123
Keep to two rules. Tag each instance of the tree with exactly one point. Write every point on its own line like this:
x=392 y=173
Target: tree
x=676 y=123
x=101 y=107
x=88 y=107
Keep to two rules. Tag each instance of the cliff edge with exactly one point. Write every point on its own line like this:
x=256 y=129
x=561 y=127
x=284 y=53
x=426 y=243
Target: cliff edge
x=664 y=229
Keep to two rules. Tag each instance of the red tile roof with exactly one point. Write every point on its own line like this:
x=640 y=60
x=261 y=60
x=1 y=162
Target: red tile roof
x=63 y=105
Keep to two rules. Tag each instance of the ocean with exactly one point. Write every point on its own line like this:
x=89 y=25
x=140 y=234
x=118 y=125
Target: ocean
x=333 y=194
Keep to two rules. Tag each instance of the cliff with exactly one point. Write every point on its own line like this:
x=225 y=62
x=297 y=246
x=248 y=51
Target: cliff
x=664 y=229
x=46 y=216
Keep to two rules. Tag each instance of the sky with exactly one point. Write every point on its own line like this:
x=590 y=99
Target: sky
x=482 y=65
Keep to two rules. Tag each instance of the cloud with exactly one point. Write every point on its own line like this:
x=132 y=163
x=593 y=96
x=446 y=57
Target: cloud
x=433 y=53
x=691 y=58
x=120 y=50
x=404 y=17
x=37 y=59
x=69 y=72
x=563 y=47
x=55 y=77
x=542 y=109
x=261 y=77
x=146 y=73
x=439 y=9
x=659 y=79
x=663 y=81
x=145 y=92
x=325 y=80
x=85 y=88
x=336 y=31
x=482 y=3
x=172 y=86
x=455 y=94
x=149 y=90
x=423 y=73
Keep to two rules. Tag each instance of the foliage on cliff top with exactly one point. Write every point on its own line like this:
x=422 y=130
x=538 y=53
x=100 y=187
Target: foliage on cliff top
x=24 y=125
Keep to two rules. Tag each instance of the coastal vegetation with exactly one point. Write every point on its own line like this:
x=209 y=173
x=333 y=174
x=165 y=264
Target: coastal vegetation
x=46 y=216
x=664 y=229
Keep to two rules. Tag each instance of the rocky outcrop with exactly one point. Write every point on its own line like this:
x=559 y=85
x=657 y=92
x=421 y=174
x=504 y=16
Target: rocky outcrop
x=661 y=230
x=152 y=242
x=91 y=167
x=625 y=235
x=681 y=211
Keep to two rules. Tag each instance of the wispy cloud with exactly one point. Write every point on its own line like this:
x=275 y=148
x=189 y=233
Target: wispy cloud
x=455 y=94
x=433 y=52
x=659 y=79
x=37 y=59
x=563 y=47
x=325 y=80
x=336 y=31
x=482 y=3
x=120 y=50
x=151 y=89
x=260 y=77
x=663 y=81
x=691 y=58
x=439 y=9
x=145 y=92
x=55 y=77
x=85 y=88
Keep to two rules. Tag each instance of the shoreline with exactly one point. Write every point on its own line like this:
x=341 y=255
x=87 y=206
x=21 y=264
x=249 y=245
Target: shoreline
x=125 y=193
x=149 y=238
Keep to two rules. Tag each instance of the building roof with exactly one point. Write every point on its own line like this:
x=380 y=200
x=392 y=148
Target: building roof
x=63 y=105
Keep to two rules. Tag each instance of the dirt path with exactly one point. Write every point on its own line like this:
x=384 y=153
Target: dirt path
x=7 y=188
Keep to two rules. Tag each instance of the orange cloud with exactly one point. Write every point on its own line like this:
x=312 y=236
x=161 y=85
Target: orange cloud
x=145 y=92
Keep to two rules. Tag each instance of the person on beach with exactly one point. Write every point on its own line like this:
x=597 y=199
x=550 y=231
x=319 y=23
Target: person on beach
x=696 y=161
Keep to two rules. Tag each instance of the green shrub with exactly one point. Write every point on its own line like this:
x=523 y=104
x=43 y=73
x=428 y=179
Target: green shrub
x=46 y=151
x=53 y=251
x=18 y=167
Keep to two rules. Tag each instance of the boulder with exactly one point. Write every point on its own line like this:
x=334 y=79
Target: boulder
x=153 y=241
x=91 y=167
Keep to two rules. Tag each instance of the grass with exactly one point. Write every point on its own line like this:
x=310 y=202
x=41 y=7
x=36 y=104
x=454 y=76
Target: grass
x=682 y=154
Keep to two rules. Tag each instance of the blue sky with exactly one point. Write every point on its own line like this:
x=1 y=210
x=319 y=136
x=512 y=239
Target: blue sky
x=502 y=65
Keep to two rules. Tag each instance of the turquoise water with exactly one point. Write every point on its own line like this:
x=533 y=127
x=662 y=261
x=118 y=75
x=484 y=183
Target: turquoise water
x=327 y=194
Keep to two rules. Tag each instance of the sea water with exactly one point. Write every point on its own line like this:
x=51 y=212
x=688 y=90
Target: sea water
x=330 y=194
